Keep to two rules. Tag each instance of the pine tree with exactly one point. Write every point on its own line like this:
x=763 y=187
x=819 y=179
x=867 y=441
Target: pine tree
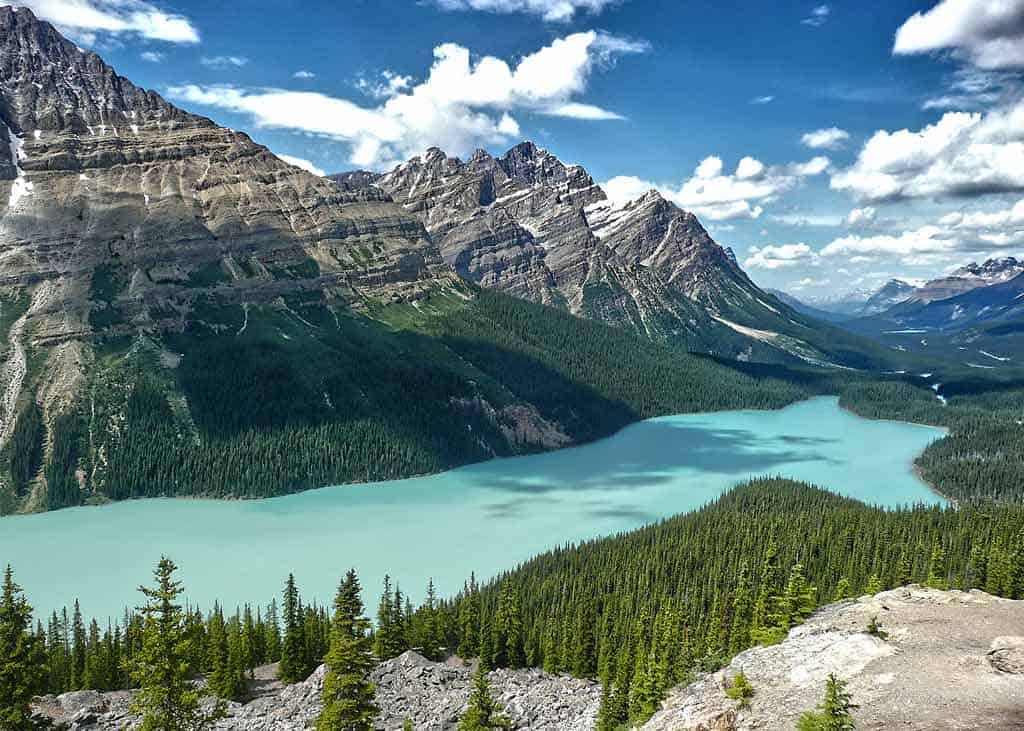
x=469 y=620
x=388 y=640
x=937 y=568
x=605 y=712
x=292 y=668
x=483 y=712
x=874 y=585
x=272 y=633
x=166 y=700
x=739 y=633
x=584 y=662
x=77 y=649
x=842 y=590
x=741 y=690
x=20 y=677
x=835 y=711
x=348 y=692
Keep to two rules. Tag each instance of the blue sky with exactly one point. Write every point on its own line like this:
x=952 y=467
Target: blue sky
x=831 y=146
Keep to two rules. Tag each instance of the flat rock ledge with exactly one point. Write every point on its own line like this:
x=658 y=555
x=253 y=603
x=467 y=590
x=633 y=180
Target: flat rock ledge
x=953 y=660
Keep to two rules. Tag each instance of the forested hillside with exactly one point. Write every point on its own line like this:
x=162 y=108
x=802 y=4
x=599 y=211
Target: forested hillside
x=261 y=401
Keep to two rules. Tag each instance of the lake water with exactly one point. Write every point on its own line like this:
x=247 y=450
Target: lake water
x=484 y=518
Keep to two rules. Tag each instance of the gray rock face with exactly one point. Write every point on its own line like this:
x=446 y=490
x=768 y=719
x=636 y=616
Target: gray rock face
x=532 y=226
x=120 y=213
x=432 y=695
x=952 y=661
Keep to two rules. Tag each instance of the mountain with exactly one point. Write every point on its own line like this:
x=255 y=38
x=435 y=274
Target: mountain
x=889 y=294
x=183 y=313
x=805 y=309
x=864 y=302
x=527 y=224
x=966 y=278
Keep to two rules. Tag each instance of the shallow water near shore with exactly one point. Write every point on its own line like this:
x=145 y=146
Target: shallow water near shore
x=486 y=517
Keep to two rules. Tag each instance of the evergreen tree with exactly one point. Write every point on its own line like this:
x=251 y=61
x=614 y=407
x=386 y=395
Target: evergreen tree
x=874 y=585
x=348 y=692
x=741 y=690
x=293 y=668
x=272 y=633
x=469 y=620
x=483 y=712
x=937 y=568
x=166 y=700
x=842 y=590
x=835 y=711
x=739 y=633
x=388 y=640
x=584 y=663
x=20 y=676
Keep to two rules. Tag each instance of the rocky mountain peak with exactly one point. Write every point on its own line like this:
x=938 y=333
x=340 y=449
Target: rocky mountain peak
x=992 y=270
x=50 y=84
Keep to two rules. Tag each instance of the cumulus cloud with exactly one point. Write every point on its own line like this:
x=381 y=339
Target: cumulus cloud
x=303 y=74
x=860 y=217
x=301 y=162
x=818 y=17
x=716 y=195
x=463 y=103
x=223 y=62
x=958 y=232
x=84 y=20
x=961 y=155
x=779 y=256
x=808 y=283
x=989 y=34
x=830 y=138
x=550 y=10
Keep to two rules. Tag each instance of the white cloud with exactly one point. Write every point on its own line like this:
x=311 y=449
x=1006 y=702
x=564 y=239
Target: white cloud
x=818 y=17
x=223 y=62
x=550 y=10
x=715 y=195
x=860 y=217
x=83 y=20
x=768 y=99
x=808 y=283
x=971 y=88
x=987 y=33
x=152 y=56
x=301 y=162
x=957 y=232
x=780 y=256
x=464 y=102
x=961 y=155
x=830 y=138
x=303 y=74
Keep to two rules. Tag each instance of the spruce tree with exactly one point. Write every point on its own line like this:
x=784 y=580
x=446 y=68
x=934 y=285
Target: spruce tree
x=835 y=711
x=347 y=691
x=874 y=585
x=741 y=690
x=20 y=675
x=469 y=620
x=842 y=590
x=167 y=700
x=388 y=638
x=484 y=712
x=293 y=668
x=937 y=567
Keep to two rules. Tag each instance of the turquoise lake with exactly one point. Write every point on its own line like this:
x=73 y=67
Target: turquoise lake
x=484 y=517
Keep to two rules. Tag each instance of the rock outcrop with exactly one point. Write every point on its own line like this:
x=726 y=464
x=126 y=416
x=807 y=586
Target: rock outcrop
x=432 y=695
x=952 y=660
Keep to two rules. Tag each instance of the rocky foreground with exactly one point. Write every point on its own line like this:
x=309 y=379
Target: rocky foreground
x=952 y=660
